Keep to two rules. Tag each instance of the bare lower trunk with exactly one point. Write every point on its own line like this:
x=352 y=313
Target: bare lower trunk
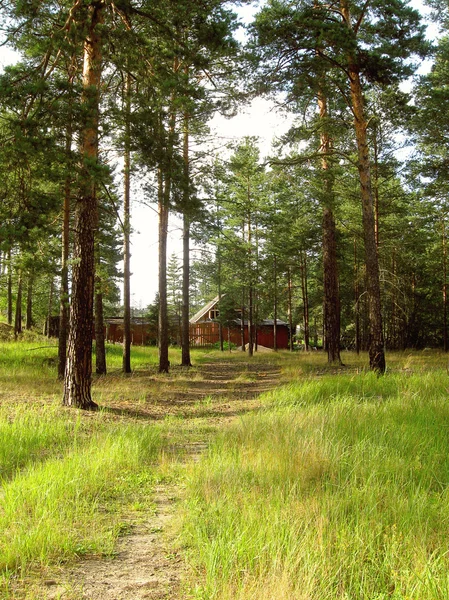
x=50 y=308
x=163 y=309
x=9 y=286
x=126 y=360
x=356 y=300
x=250 y=322
x=376 y=339
x=100 y=349
x=29 y=315
x=78 y=374
x=331 y=291
x=185 y=338
x=64 y=290
x=242 y=326
x=18 y=314
x=331 y=310
x=275 y=308
x=185 y=341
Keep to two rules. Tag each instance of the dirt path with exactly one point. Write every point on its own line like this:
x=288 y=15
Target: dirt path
x=146 y=565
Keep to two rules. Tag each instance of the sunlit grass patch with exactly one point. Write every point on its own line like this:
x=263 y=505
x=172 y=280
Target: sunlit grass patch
x=69 y=497
x=337 y=492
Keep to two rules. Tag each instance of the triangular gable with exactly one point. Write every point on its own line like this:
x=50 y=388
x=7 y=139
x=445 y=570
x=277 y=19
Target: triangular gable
x=201 y=313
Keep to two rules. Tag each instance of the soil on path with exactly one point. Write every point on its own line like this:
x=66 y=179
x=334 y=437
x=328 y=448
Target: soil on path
x=147 y=564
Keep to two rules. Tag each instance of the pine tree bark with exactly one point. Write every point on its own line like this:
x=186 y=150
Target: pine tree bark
x=126 y=361
x=163 y=210
x=9 y=289
x=185 y=324
x=50 y=308
x=64 y=290
x=330 y=265
x=290 y=310
x=376 y=348
x=18 y=313
x=78 y=374
x=100 y=348
x=29 y=313
x=305 y=299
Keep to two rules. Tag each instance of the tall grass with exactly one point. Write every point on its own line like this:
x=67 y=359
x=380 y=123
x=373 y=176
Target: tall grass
x=68 y=486
x=339 y=490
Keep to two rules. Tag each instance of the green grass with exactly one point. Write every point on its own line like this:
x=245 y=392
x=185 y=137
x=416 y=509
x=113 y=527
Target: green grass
x=338 y=490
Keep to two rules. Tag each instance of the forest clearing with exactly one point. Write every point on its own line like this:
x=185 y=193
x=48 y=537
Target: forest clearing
x=279 y=477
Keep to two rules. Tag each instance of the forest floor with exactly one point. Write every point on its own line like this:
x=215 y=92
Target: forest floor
x=148 y=562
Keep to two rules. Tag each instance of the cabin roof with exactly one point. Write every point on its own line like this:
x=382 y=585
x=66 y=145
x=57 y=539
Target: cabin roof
x=203 y=311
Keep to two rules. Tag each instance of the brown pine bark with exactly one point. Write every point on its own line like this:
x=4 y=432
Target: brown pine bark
x=163 y=210
x=185 y=324
x=78 y=374
x=376 y=349
x=18 y=313
x=9 y=289
x=126 y=360
x=29 y=313
x=330 y=265
x=64 y=289
x=100 y=348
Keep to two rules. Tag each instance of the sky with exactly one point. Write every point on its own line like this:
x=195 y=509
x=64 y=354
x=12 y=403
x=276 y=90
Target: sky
x=258 y=119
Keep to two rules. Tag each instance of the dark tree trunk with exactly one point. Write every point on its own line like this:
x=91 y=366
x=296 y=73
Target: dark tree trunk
x=18 y=314
x=275 y=307
x=242 y=325
x=164 y=363
x=126 y=361
x=290 y=309
x=64 y=291
x=50 y=308
x=29 y=315
x=100 y=348
x=376 y=342
x=444 y=248
x=305 y=300
x=330 y=266
x=356 y=300
x=78 y=374
x=9 y=292
x=185 y=328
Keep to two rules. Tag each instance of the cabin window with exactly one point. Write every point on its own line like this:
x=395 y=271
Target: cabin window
x=214 y=313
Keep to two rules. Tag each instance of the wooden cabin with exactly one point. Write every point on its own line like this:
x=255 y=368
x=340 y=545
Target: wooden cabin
x=205 y=329
x=142 y=332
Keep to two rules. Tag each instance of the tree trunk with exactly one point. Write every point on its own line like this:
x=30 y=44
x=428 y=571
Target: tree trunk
x=29 y=315
x=78 y=375
x=50 y=308
x=290 y=309
x=242 y=325
x=330 y=265
x=18 y=314
x=9 y=286
x=163 y=309
x=275 y=307
x=126 y=361
x=444 y=248
x=100 y=348
x=376 y=342
x=305 y=300
x=356 y=300
x=64 y=290
x=185 y=328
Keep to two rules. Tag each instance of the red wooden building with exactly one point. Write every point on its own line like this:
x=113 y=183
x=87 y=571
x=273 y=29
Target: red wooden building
x=204 y=329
